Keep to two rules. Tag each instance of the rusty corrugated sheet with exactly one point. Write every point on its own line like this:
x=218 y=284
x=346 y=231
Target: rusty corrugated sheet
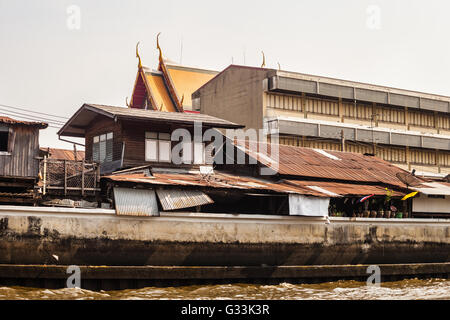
x=63 y=154
x=8 y=120
x=343 y=189
x=307 y=162
x=172 y=199
x=135 y=202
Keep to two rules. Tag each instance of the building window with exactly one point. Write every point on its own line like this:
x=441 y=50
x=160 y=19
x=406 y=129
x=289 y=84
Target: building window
x=4 y=138
x=102 y=148
x=158 y=147
x=193 y=153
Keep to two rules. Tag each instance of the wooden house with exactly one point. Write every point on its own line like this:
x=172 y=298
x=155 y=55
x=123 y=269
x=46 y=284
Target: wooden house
x=19 y=159
x=119 y=137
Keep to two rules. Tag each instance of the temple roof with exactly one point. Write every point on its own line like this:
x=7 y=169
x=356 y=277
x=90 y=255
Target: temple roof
x=169 y=88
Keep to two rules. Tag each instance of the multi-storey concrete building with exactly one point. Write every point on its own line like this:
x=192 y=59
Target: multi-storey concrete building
x=408 y=128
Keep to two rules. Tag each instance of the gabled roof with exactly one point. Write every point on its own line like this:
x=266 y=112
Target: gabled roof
x=186 y=80
x=8 y=120
x=75 y=126
x=169 y=88
x=323 y=165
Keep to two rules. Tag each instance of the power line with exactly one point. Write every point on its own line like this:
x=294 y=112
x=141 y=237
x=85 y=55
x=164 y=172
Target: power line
x=32 y=117
x=28 y=110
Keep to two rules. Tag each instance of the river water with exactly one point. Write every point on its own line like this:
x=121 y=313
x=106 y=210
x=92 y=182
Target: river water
x=436 y=289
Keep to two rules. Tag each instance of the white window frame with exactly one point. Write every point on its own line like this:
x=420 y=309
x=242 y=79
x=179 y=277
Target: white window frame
x=158 y=141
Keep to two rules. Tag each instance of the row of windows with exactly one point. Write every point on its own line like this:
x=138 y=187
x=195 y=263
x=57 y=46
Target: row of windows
x=294 y=103
x=356 y=111
x=391 y=154
x=421 y=119
x=158 y=148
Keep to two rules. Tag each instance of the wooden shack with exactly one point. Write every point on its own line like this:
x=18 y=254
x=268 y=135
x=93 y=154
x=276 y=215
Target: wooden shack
x=19 y=159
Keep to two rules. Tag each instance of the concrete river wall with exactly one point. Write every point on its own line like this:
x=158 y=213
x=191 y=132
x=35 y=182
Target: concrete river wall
x=34 y=235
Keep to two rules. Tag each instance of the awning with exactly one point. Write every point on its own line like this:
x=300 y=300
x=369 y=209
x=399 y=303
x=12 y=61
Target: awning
x=172 y=199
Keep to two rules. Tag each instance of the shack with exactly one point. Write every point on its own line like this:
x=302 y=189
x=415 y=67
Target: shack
x=19 y=160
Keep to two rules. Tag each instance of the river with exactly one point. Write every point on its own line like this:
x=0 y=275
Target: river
x=436 y=289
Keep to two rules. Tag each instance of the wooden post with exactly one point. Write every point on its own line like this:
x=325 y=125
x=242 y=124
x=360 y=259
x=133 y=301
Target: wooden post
x=82 y=178
x=45 y=175
x=65 y=177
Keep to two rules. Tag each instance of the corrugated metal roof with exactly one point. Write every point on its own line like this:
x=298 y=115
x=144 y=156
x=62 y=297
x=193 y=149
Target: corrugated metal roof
x=135 y=202
x=433 y=188
x=343 y=189
x=219 y=180
x=307 y=162
x=63 y=154
x=8 y=120
x=172 y=199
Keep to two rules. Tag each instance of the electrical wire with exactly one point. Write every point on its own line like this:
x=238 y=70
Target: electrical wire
x=30 y=117
x=28 y=110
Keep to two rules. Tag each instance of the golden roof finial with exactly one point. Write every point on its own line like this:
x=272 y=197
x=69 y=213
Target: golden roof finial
x=279 y=66
x=137 y=56
x=126 y=102
x=264 y=60
x=182 y=99
x=159 y=48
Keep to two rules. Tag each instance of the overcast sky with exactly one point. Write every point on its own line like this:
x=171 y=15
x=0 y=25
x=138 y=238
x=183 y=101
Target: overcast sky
x=56 y=55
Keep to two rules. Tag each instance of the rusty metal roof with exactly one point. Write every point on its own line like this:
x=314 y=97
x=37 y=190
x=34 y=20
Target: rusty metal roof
x=342 y=189
x=8 y=120
x=221 y=180
x=63 y=154
x=321 y=164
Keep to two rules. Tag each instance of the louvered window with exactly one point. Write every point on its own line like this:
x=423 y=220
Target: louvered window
x=102 y=148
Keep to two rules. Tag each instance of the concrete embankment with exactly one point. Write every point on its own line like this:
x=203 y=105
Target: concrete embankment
x=127 y=277
x=98 y=237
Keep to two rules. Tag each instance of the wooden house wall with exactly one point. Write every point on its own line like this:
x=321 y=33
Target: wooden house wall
x=22 y=161
x=132 y=133
x=99 y=126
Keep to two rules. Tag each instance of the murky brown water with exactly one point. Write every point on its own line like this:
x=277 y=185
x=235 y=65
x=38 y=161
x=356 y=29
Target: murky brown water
x=344 y=290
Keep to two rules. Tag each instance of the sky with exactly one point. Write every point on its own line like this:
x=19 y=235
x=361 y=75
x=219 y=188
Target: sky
x=56 y=55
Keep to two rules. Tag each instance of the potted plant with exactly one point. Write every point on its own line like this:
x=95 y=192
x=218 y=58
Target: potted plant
x=387 y=214
x=399 y=215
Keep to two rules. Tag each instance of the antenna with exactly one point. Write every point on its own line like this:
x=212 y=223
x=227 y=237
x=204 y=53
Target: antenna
x=181 y=51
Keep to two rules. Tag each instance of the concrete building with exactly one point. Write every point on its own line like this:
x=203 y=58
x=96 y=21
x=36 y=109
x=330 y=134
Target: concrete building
x=407 y=128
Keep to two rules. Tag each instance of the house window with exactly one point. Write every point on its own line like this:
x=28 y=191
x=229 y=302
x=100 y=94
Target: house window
x=158 y=147
x=193 y=153
x=102 y=148
x=4 y=137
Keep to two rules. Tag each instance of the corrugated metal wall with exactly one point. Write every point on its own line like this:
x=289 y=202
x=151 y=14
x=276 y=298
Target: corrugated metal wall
x=135 y=202
x=21 y=162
